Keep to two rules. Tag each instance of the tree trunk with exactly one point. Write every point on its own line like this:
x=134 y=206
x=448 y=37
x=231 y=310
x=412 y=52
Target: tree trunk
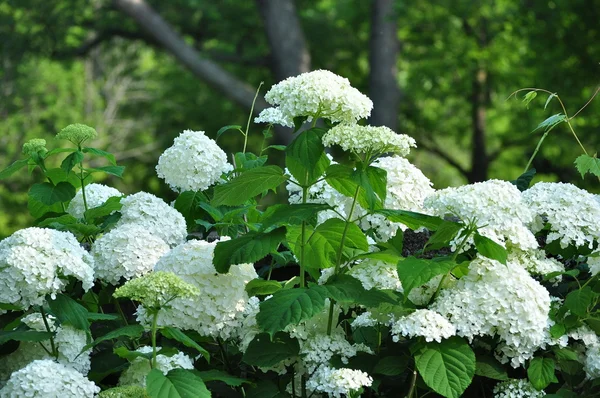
x=289 y=54
x=383 y=53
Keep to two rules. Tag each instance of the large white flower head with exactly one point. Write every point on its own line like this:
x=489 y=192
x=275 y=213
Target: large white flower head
x=517 y=388
x=219 y=308
x=35 y=262
x=95 y=195
x=536 y=262
x=273 y=116
x=320 y=93
x=48 y=379
x=496 y=299
x=496 y=206
x=573 y=213
x=338 y=382
x=154 y=215
x=377 y=274
x=425 y=323
x=193 y=163
x=139 y=368
x=128 y=251
x=368 y=140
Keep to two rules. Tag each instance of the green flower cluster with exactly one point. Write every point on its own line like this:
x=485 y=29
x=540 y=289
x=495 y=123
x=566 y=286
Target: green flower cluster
x=156 y=289
x=77 y=133
x=125 y=392
x=35 y=145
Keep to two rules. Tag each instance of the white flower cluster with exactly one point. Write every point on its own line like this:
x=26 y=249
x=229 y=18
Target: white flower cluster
x=517 y=388
x=572 y=213
x=155 y=216
x=35 y=262
x=193 y=163
x=338 y=382
x=368 y=139
x=273 y=116
x=48 y=379
x=378 y=274
x=319 y=93
x=424 y=323
x=218 y=310
x=320 y=348
x=496 y=206
x=95 y=196
x=496 y=299
x=128 y=251
x=594 y=265
x=139 y=368
x=591 y=344
x=536 y=262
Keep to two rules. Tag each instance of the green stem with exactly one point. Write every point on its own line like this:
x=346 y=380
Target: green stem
x=52 y=346
x=413 y=384
x=120 y=311
x=303 y=242
x=537 y=148
x=250 y=117
x=154 y=330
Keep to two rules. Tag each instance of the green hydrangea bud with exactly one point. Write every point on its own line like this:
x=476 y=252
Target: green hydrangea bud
x=157 y=289
x=77 y=133
x=35 y=145
x=125 y=392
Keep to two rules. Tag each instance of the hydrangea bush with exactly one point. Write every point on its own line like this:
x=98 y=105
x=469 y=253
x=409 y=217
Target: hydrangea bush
x=363 y=281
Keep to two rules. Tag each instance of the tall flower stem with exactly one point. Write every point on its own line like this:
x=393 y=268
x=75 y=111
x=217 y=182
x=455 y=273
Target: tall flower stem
x=52 y=345
x=154 y=330
x=303 y=242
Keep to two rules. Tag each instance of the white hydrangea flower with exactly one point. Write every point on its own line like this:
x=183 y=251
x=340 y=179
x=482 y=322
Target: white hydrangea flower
x=368 y=139
x=139 y=368
x=496 y=206
x=363 y=320
x=248 y=328
x=35 y=321
x=591 y=364
x=585 y=335
x=193 y=163
x=424 y=323
x=128 y=251
x=496 y=299
x=320 y=348
x=319 y=93
x=155 y=216
x=338 y=382
x=594 y=265
x=218 y=311
x=536 y=262
x=69 y=343
x=35 y=262
x=573 y=213
x=378 y=274
x=95 y=196
x=517 y=388
x=273 y=116
x=48 y=379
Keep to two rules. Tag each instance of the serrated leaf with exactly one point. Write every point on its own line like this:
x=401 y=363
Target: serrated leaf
x=541 y=373
x=131 y=331
x=69 y=312
x=98 y=152
x=565 y=354
x=578 y=301
x=37 y=209
x=13 y=168
x=373 y=181
x=110 y=205
x=291 y=214
x=248 y=185
x=447 y=367
x=217 y=375
x=63 y=220
x=414 y=272
x=226 y=128
x=551 y=122
x=70 y=161
x=488 y=366
x=443 y=235
x=49 y=194
x=247 y=248
x=411 y=219
x=305 y=157
x=347 y=181
x=113 y=170
x=24 y=335
x=264 y=352
x=261 y=287
x=490 y=249
x=178 y=383
x=587 y=164
x=524 y=180
x=57 y=175
x=177 y=335
x=290 y=307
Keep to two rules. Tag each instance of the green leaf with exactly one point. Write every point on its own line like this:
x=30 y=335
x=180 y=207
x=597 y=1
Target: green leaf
x=444 y=234
x=346 y=289
x=247 y=248
x=215 y=213
x=587 y=164
x=347 y=181
x=24 y=335
x=105 y=209
x=594 y=324
x=69 y=312
x=248 y=185
x=57 y=175
x=524 y=180
x=411 y=219
x=276 y=147
x=248 y=160
x=305 y=157
x=541 y=373
x=529 y=97
x=60 y=221
x=290 y=307
x=93 y=316
x=490 y=249
x=414 y=272
x=261 y=287
x=60 y=150
x=187 y=203
x=373 y=181
x=226 y=128
x=13 y=168
x=447 y=367
x=565 y=354
x=37 y=209
x=178 y=383
x=550 y=97
x=98 y=152
x=131 y=331
x=264 y=352
x=488 y=366
x=551 y=122
x=217 y=375
x=177 y=335
x=391 y=366
x=291 y=214
x=578 y=301
x=113 y=170
x=70 y=161
x=124 y=353
x=49 y=194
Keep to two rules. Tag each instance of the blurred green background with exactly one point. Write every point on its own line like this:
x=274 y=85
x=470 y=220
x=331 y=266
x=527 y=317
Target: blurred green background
x=142 y=71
